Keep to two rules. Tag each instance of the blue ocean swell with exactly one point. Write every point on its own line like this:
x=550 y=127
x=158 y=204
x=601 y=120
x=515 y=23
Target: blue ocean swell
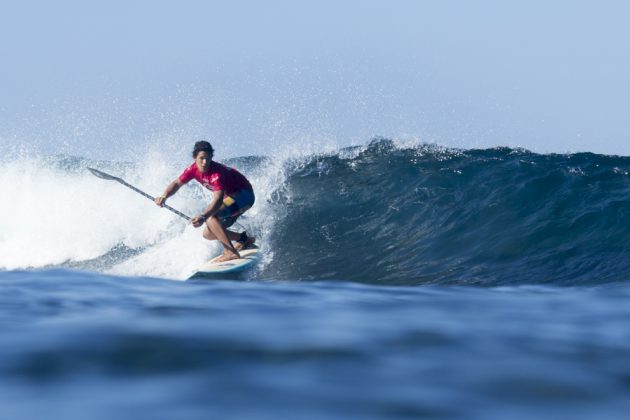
x=77 y=345
x=425 y=215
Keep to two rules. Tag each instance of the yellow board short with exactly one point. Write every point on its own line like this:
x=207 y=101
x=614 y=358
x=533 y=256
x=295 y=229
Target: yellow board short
x=234 y=205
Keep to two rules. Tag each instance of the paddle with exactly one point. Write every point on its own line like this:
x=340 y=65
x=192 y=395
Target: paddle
x=109 y=177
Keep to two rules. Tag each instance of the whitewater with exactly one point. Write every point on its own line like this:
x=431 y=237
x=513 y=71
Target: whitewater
x=397 y=281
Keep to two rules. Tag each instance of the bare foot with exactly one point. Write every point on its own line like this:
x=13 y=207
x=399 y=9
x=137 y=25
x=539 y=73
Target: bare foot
x=227 y=256
x=249 y=242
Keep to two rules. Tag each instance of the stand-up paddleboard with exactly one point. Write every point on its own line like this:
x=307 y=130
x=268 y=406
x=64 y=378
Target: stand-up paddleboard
x=249 y=257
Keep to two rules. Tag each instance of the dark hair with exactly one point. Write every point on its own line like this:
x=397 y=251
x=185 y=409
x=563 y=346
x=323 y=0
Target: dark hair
x=202 y=146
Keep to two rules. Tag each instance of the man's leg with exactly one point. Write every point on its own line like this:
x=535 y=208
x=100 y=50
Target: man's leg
x=234 y=236
x=244 y=241
x=219 y=232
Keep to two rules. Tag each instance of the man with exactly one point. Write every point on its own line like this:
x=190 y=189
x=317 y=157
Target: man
x=232 y=196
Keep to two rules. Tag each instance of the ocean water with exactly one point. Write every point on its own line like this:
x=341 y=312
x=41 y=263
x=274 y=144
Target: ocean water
x=398 y=281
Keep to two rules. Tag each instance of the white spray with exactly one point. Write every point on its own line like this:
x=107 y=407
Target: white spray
x=55 y=214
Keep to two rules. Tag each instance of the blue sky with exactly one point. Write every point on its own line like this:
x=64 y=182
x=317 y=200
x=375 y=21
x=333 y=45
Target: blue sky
x=106 y=79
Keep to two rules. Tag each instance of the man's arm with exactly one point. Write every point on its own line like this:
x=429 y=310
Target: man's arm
x=213 y=207
x=169 y=191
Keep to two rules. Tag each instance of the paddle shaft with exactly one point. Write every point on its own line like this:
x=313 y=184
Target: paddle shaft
x=109 y=177
x=166 y=206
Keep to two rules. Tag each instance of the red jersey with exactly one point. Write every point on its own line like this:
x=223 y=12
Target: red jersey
x=218 y=177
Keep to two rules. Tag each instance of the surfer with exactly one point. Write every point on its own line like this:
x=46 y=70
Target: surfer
x=232 y=195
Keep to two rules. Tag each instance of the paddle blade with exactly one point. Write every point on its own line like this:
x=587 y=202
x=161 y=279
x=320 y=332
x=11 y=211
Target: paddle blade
x=103 y=175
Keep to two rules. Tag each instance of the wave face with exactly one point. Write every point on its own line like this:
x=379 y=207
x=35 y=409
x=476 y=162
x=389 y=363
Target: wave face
x=424 y=215
x=379 y=214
